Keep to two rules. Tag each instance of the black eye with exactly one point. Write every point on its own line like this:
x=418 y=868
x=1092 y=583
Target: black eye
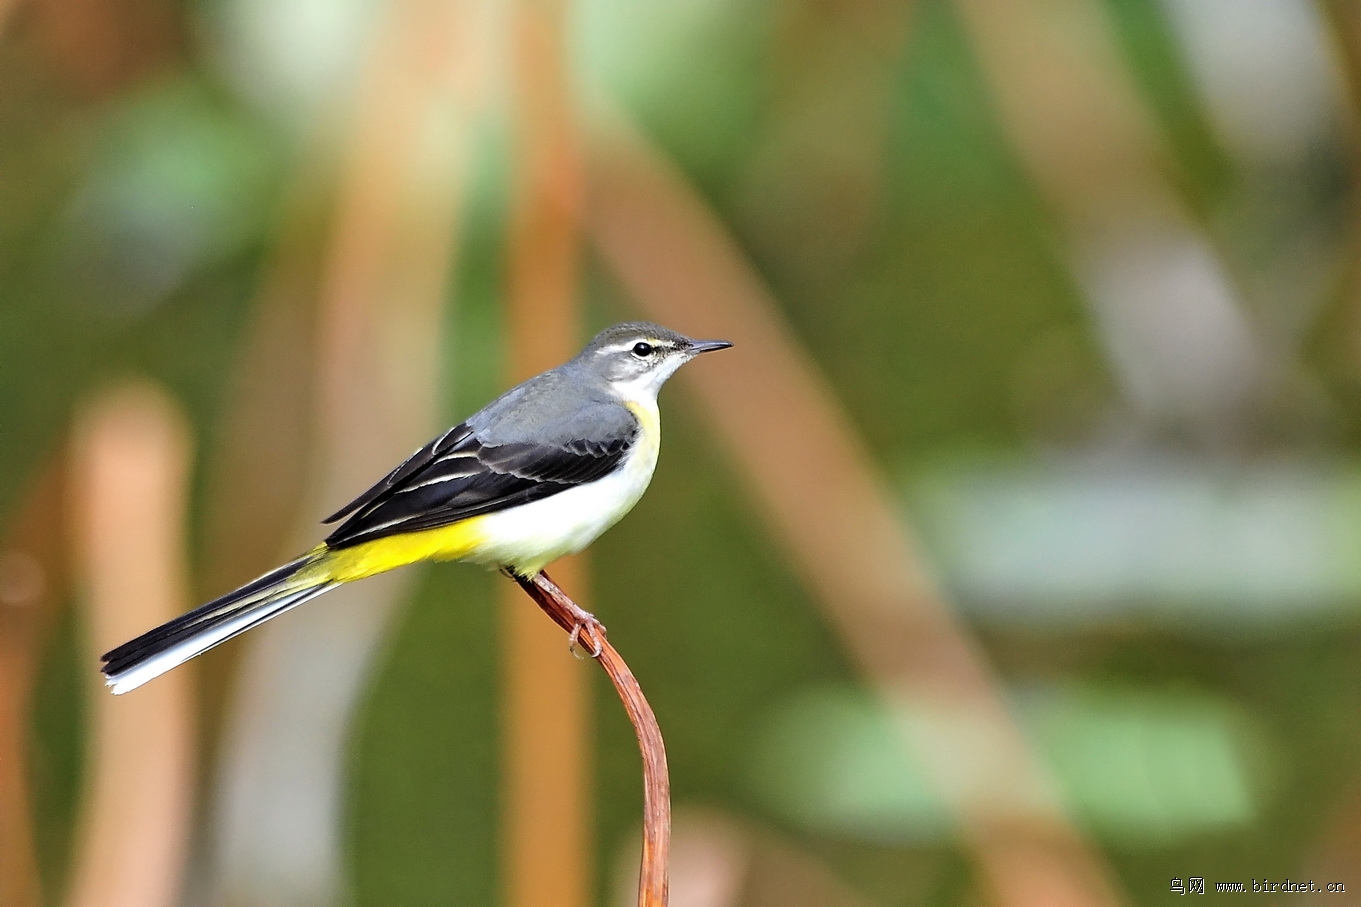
x=642 y=350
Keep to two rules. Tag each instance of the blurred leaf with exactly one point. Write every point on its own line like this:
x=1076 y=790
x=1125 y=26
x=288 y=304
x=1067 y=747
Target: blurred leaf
x=1149 y=769
x=179 y=181
x=1143 y=769
x=832 y=760
x=682 y=65
x=1194 y=545
x=1159 y=67
x=294 y=61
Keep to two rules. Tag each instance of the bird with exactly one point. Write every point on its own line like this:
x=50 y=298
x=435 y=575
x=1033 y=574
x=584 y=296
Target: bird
x=538 y=473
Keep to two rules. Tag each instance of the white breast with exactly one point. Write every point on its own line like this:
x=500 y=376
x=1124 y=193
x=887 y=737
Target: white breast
x=532 y=535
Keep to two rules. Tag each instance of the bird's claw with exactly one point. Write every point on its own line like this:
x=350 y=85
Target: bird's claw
x=593 y=631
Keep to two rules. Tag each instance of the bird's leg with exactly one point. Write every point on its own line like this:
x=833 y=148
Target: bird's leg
x=579 y=623
x=583 y=621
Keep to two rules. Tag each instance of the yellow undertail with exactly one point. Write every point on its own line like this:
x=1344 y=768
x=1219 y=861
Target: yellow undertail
x=345 y=565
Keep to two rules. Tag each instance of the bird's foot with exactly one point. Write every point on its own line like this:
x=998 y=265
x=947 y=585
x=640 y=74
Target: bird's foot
x=589 y=630
x=586 y=639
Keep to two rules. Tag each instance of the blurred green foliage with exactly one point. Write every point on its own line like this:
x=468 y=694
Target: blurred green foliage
x=133 y=232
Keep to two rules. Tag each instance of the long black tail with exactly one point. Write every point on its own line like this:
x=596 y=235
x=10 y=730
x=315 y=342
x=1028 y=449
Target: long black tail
x=157 y=651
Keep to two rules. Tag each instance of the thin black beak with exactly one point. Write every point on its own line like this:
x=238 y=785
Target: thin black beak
x=708 y=346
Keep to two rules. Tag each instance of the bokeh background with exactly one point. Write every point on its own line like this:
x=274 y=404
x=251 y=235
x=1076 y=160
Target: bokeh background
x=1013 y=556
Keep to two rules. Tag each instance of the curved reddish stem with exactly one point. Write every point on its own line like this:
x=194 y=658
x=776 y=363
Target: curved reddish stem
x=652 y=879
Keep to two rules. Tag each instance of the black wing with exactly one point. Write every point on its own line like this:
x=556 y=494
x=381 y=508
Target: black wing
x=457 y=476
x=413 y=464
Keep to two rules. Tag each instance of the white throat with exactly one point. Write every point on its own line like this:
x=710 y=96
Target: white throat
x=643 y=389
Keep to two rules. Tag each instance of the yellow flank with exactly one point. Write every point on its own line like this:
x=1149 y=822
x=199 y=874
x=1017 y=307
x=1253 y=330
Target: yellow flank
x=447 y=543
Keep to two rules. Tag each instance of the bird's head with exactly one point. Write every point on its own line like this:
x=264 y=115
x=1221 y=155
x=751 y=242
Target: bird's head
x=637 y=357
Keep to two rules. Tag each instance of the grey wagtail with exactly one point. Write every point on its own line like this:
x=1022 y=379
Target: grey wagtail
x=538 y=473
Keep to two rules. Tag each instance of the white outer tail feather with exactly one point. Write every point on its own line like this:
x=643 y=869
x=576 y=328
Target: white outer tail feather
x=251 y=615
